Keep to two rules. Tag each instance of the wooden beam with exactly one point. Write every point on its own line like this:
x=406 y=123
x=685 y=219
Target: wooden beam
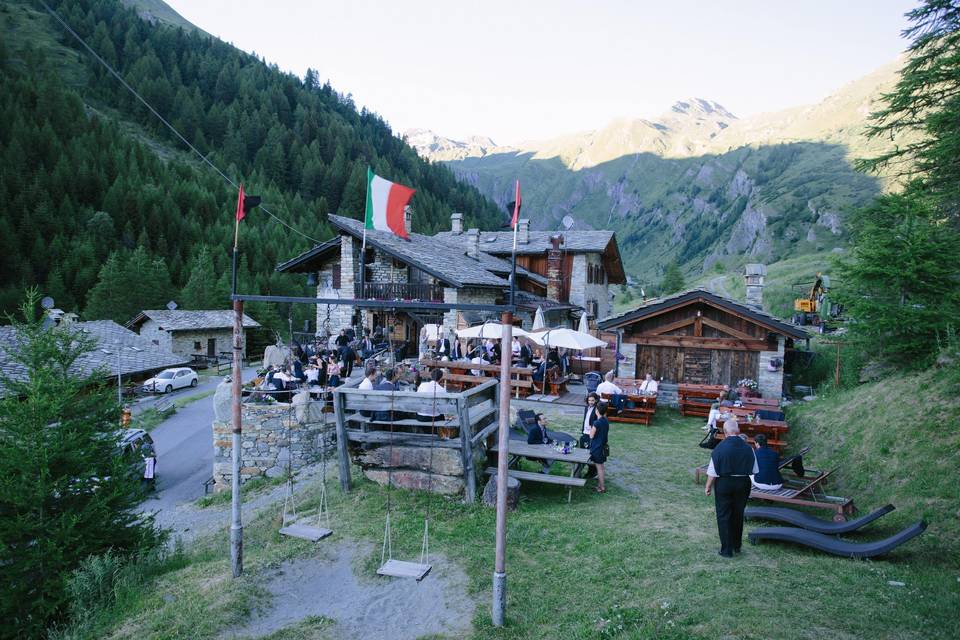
x=727 y=329
x=728 y=344
x=673 y=326
x=698 y=325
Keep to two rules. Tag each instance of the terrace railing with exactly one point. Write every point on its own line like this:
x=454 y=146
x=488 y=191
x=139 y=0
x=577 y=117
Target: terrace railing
x=400 y=291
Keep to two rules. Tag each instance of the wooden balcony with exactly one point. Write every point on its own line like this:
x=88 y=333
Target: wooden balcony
x=400 y=291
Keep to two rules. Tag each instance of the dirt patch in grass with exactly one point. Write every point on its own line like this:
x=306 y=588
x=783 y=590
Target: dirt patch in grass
x=362 y=606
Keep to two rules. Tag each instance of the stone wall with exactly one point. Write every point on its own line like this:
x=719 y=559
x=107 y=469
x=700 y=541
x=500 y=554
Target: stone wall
x=439 y=469
x=582 y=292
x=331 y=317
x=771 y=382
x=274 y=435
x=182 y=342
x=151 y=330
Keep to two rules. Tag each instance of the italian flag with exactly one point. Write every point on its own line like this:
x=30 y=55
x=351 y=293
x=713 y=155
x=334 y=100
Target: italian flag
x=385 y=203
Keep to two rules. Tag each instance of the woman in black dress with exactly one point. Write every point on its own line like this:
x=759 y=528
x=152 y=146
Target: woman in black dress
x=598 y=445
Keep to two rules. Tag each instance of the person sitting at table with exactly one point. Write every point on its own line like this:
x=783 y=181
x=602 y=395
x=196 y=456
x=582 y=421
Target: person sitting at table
x=649 y=386
x=598 y=445
x=553 y=357
x=538 y=435
x=768 y=477
x=488 y=348
x=525 y=355
x=296 y=370
x=369 y=380
x=728 y=397
x=607 y=388
x=311 y=375
x=333 y=369
x=387 y=383
x=432 y=387
x=443 y=349
x=366 y=345
x=457 y=350
x=712 y=417
x=479 y=359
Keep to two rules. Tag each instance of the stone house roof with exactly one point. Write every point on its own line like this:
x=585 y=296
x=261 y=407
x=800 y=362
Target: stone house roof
x=190 y=320
x=137 y=355
x=445 y=261
x=655 y=305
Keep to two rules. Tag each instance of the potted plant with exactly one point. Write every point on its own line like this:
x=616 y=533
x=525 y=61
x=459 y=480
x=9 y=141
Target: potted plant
x=747 y=388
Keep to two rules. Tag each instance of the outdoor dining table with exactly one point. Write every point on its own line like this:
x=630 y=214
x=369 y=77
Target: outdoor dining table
x=577 y=457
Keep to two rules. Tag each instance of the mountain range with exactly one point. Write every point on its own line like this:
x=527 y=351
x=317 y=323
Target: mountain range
x=696 y=185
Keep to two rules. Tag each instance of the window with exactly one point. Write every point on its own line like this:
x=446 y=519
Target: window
x=336 y=276
x=196 y=345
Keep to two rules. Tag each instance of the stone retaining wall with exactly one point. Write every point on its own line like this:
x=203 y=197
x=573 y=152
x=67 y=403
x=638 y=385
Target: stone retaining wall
x=274 y=436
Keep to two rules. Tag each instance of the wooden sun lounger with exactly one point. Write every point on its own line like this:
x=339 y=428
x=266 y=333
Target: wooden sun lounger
x=836 y=546
x=808 y=522
x=808 y=494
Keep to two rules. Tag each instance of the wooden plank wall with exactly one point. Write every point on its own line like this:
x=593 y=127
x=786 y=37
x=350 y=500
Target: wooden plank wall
x=698 y=366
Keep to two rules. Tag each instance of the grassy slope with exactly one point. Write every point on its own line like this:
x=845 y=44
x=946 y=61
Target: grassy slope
x=638 y=562
x=895 y=441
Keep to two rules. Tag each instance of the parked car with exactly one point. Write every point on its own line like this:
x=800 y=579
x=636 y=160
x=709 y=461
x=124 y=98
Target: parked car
x=170 y=379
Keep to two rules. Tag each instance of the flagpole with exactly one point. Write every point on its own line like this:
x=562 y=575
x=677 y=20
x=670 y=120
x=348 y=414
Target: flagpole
x=513 y=261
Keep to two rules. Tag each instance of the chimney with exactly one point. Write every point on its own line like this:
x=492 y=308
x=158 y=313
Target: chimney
x=456 y=223
x=473 y=243
x=754 y=274
x=555 y=268
x=523 y=231
x=407 y=220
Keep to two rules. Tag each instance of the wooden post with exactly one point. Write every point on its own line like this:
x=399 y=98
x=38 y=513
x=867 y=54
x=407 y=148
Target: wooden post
x=503 y=442
x=343 y=453
x=236 y=526
x=466 y=452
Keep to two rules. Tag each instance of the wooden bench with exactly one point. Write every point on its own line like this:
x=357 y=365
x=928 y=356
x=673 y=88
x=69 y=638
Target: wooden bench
x=695 y=399
x=459 y=373
x=547 y=478
x=641 y=413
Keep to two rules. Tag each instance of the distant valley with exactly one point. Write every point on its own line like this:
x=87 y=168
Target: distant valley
x=696 y=185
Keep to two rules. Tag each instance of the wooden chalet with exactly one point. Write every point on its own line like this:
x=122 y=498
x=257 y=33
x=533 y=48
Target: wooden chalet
x=699 y=337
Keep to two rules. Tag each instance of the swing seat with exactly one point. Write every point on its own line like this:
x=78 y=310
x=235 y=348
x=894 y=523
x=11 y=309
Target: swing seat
x=305 y=532
x=404 y=569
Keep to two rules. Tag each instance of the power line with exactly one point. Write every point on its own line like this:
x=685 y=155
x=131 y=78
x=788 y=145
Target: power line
x=205 y=159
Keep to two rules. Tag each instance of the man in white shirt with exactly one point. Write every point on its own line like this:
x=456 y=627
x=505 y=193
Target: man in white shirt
x=478 y=360
x=614 y=392
x=649 y=386
x=368 y=380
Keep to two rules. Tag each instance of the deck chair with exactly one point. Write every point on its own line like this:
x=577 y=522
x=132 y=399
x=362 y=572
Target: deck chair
x=836 y=546
x=808 y=493
x=808 y=522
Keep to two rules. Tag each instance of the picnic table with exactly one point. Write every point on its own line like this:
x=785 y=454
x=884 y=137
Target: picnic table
x=642 y=409
x=518 y=449
x=772 y=404
x=775 y=430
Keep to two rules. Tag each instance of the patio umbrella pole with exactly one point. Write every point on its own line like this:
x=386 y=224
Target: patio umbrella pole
x=503 y=441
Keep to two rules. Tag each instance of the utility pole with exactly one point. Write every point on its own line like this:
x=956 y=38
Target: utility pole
x=503 y=441
x=236 y=527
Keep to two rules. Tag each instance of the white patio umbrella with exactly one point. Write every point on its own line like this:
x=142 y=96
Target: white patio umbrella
x=566 y=338
x=492 y=330
x=584 y=326
x=539 y=324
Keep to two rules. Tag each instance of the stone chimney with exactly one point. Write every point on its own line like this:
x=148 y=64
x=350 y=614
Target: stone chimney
x=408 y=219
x=456 y=223
x=754 y=274
x=473 y=243
x=555 y=268
x=523 y=231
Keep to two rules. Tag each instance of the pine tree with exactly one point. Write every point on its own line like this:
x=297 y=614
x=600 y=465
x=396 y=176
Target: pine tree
x=900 y=283
x=202 y=290
x=66 y=491
x=672 y=280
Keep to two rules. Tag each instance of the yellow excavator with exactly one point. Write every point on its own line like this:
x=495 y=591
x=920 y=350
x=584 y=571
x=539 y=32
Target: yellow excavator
x=815 y=308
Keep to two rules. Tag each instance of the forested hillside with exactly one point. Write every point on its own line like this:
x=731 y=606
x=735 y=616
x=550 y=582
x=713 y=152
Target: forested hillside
x=95 y=187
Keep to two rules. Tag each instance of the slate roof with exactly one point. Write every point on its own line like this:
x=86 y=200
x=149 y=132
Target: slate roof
x=312 y=259
x=579 y=241
x=137 y=356
x=189 y=320
x=440 y=258
x=651 y=307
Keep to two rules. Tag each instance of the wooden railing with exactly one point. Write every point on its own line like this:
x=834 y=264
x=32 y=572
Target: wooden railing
x=400 y=291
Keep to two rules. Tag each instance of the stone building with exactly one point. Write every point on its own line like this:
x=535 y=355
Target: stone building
x=565 y=277
x=190 y=333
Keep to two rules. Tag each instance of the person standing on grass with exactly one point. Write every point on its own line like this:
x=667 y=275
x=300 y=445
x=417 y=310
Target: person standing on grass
x=731 y=465
x=598 y=445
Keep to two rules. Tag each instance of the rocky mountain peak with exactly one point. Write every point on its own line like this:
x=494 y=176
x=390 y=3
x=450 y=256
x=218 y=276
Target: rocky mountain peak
x=700 y=107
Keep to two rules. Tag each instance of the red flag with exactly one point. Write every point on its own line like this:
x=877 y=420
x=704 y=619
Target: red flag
x=241 y=210
x=516 y=207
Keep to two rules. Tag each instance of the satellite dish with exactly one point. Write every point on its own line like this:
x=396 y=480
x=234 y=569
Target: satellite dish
x=47 y=302
x=171 y=305
x=567 y=222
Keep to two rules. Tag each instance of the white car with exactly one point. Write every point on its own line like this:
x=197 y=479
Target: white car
x=170 y=379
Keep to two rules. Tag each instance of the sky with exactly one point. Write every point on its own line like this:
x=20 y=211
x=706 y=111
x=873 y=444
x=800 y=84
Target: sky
x=530 y=69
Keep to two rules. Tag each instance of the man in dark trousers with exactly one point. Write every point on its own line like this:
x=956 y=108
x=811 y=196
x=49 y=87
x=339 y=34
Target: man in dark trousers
x=731 y=464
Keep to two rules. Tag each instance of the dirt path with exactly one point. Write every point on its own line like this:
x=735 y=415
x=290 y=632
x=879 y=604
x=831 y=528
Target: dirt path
x=718 y=285
x=363 y=607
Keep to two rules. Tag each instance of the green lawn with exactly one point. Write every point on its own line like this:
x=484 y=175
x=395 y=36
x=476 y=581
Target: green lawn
x=638 y=562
